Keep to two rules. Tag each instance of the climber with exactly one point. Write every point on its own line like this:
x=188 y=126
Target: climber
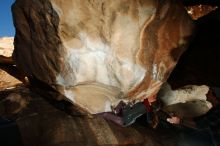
x=126 y=114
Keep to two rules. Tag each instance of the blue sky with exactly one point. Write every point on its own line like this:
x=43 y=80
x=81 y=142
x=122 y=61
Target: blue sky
x=6 y=24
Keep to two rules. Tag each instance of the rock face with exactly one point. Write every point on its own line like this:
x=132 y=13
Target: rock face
x=99 y=52
x=188 y=101
x=6 y=49
x=182 y=95
x=7 y=81
x=6 y=46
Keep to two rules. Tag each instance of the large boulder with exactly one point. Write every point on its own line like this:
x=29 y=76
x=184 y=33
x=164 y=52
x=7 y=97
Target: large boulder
x=186 y=102
x=99 y=52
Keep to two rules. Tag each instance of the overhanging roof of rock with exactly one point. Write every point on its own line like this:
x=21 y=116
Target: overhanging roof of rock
x=97 y=53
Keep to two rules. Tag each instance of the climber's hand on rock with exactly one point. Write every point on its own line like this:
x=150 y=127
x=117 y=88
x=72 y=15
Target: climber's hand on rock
x=174 y=120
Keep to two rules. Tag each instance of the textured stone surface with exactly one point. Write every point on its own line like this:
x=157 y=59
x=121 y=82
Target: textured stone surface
x=10 y=75
x=7 y=81
x=42 y=124
x=6 y=46
x=188 y=101
x=6 y=49
x=184 y=94
x=98 y=52
x=199 y=11
x=13 y=101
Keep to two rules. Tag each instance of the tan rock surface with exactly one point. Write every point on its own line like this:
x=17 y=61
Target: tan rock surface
x=6 y=49
x=188 y=101
x=99 y=52
x=7 y=81
x=6 y=46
